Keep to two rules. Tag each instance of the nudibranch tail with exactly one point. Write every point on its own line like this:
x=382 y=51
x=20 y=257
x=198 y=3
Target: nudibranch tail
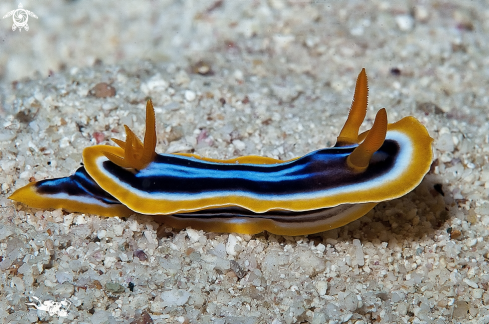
x=76 y=193
x=137 y=155
x=358 y=110
x=359 y=159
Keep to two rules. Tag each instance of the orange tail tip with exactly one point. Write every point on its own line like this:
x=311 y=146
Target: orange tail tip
x=137 y=155
x=361 y=155
x=23 y=194
x=358 y=110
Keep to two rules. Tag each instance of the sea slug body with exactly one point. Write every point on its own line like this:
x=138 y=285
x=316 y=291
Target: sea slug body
x=322 y=190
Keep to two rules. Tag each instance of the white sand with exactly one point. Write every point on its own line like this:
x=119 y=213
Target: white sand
x=285 y=71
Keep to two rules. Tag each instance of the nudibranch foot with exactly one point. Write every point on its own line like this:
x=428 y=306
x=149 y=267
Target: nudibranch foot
x=279 y=223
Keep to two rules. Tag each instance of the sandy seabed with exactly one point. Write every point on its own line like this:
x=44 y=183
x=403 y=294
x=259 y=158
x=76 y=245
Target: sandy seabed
x=232 y=78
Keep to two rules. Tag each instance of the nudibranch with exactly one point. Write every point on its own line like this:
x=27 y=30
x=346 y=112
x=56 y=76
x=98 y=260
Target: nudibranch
x=322 y=190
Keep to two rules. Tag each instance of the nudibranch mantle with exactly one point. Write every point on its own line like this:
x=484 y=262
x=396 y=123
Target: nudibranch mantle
x=322 y=190
x=166 y=185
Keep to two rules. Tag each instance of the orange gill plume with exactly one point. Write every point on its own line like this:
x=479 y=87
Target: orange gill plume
x=137 y=155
